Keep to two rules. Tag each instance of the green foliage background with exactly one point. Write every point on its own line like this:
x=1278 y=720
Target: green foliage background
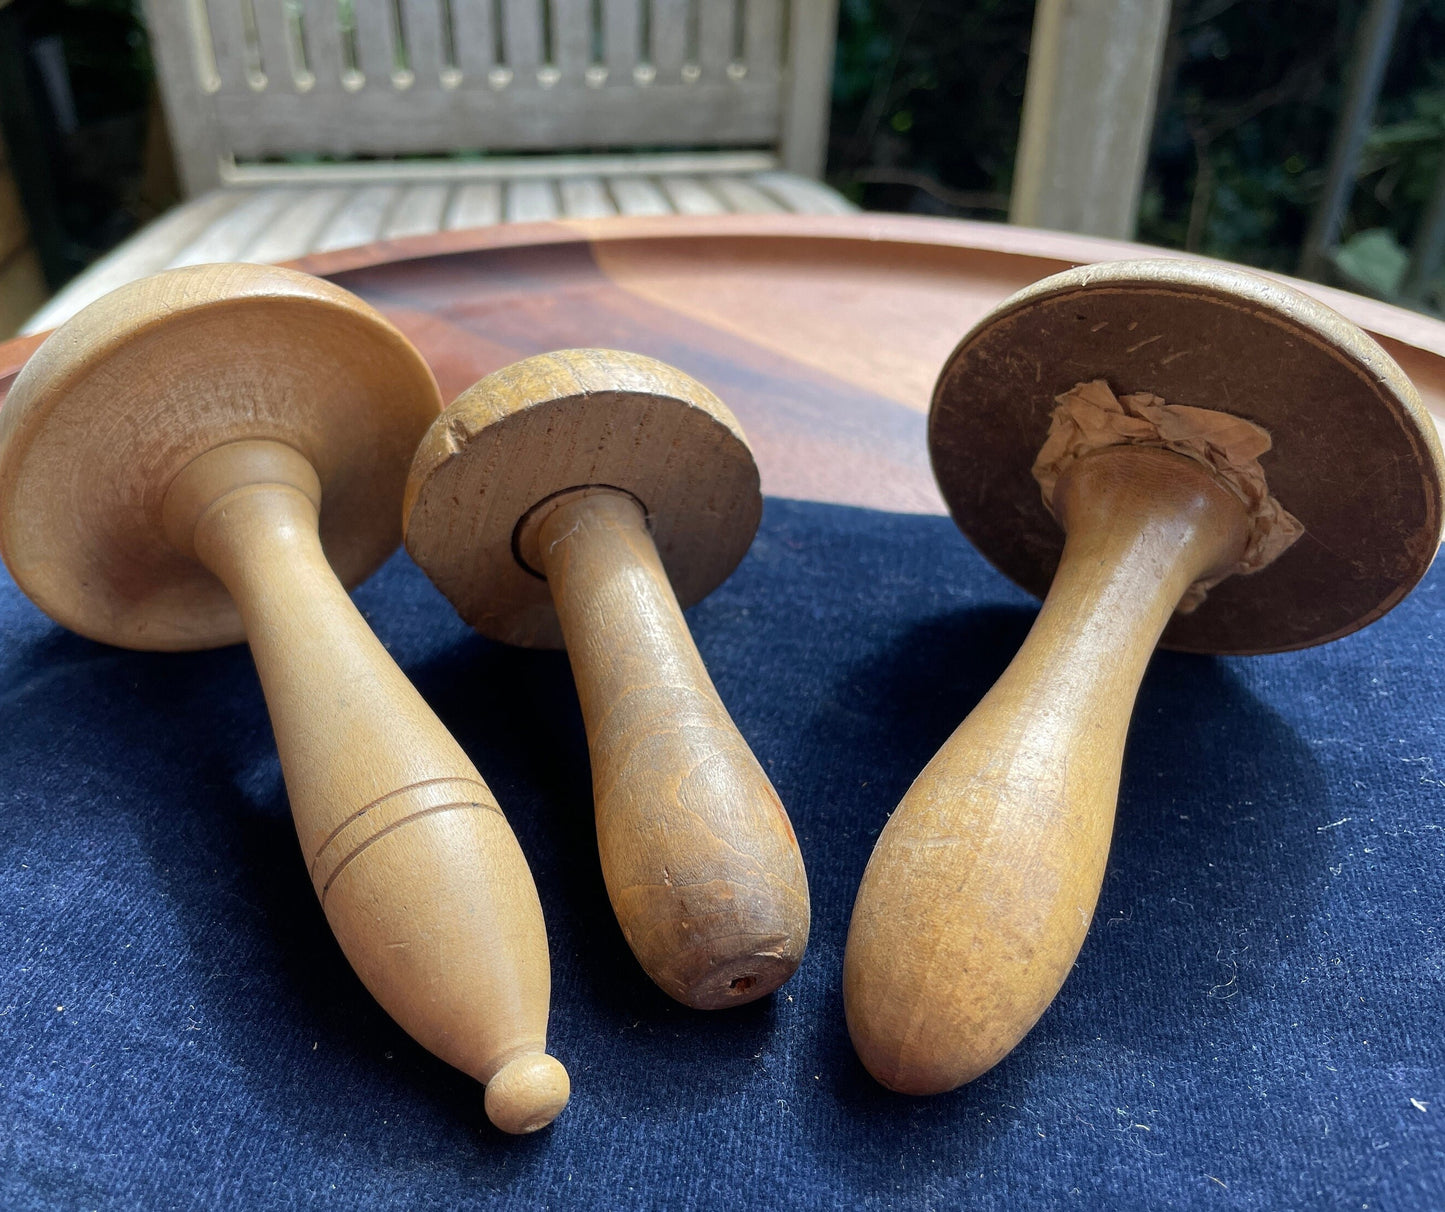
x=927 y=96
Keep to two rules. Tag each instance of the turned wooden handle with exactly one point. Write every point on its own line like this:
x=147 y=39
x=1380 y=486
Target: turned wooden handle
x=418 y=871
x=981 y=887
x=697 y=851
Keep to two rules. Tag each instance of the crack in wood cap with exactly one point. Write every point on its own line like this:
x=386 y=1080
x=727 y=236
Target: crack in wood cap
x=1355 y=457
x=133 y=388
x=576 y=418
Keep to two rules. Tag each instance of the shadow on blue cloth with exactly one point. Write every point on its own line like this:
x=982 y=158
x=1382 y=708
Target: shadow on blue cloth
x=1256 y=1007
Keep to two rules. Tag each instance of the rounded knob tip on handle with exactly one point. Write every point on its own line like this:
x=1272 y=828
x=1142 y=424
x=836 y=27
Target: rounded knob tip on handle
x=527 y=1093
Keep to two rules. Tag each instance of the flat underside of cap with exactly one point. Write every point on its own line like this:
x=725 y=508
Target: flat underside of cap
x=578 y=418
x=119 y=399
x=1355 y=456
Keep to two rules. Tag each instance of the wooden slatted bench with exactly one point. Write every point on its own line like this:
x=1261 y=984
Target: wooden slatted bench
x=305 y=126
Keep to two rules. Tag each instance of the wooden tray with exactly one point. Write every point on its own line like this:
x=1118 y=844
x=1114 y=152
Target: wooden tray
x=823 y=334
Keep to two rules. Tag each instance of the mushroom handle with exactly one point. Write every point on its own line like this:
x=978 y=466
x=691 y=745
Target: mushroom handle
x=982 y=884
x=698 y=854
x=416 y=868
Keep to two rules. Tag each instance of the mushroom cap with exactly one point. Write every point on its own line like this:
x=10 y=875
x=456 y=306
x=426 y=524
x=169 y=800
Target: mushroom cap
x=131 y=389
x=576 y=419
x=1355 y=456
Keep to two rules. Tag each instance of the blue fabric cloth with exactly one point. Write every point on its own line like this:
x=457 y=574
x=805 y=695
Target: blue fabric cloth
x=1254 y=1022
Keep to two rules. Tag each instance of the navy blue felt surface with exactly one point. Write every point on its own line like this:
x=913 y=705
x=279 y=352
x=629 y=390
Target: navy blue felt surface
x=1255 y=1020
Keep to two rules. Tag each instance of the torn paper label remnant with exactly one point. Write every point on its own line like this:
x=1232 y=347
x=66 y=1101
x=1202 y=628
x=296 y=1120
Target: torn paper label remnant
x=1090 y=417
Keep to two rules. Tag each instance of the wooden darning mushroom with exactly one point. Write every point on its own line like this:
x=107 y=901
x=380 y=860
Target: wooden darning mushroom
x=1158 y=520
x=583 y=497
x=209 y=455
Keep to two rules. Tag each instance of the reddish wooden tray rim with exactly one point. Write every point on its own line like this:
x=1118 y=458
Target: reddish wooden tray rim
x=989 y=258
x=1052 y=249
